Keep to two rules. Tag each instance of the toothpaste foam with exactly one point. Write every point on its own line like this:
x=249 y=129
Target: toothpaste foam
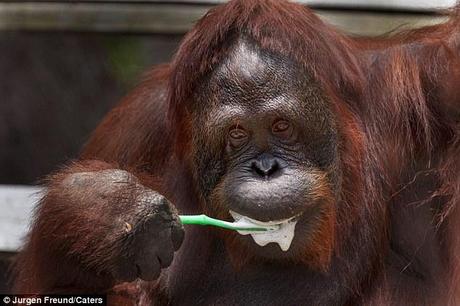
x=282 y=236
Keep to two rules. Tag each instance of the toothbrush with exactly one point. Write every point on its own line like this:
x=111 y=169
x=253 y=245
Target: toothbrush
x=240 y=225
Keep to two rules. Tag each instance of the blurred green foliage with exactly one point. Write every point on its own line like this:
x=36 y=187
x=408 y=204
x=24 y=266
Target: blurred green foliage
x=127 y=58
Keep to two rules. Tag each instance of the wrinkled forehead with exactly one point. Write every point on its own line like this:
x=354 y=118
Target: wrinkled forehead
x=252 y=75
x=252 y=83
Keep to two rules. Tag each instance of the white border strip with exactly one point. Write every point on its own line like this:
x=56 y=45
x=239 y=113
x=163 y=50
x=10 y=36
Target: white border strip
x=16 y=206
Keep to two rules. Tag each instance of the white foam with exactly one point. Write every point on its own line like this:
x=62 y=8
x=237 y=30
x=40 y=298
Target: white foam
x=283 y=235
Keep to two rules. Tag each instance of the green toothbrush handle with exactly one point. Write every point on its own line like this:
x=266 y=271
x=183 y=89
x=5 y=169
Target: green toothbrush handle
x=205 y=220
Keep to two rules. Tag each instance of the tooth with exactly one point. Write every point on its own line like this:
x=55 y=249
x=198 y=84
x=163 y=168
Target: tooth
x=283 y=236
x=236 y=216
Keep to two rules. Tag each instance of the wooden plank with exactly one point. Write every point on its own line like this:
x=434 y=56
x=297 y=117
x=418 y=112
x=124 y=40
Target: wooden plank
x=169 y=18
x=137 y=18
x=372 y=24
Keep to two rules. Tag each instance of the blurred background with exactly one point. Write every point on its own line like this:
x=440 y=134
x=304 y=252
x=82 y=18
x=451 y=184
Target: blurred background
x=64 y=64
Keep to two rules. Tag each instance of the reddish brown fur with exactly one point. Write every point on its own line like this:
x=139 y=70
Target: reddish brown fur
x=397 y=105
x=319 y=251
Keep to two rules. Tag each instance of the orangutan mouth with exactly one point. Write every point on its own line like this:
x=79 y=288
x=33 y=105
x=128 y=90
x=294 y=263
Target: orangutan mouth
x=280 y=231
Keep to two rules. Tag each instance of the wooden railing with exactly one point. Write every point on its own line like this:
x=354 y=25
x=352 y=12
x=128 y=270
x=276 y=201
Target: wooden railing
x=360 y=17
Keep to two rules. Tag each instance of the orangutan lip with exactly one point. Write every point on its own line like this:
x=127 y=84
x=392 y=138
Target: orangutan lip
x=283 y=236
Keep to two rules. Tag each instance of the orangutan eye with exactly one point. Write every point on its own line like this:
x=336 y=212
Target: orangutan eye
x=282 y=129
x=237 y=137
